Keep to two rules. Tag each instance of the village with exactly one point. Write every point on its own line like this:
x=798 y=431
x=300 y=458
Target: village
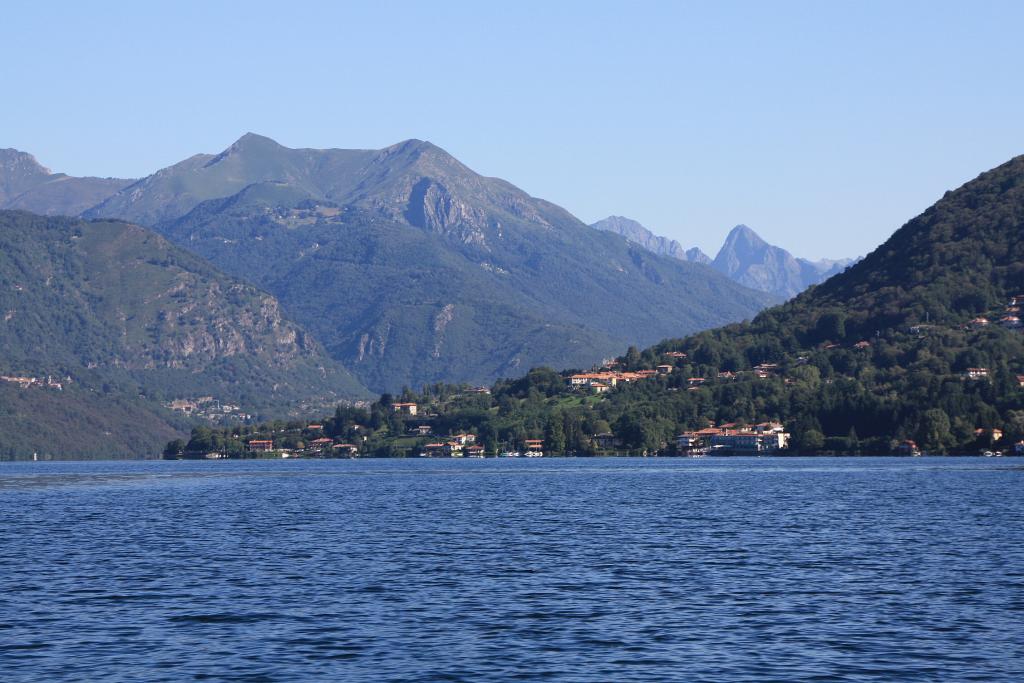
x=423 y=427
x=47 y=382
x=210 y=409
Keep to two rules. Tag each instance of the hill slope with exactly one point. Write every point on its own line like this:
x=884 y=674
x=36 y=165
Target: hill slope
x=411 y=268
x=919 y=340
x=133 y=322
x=26 y=185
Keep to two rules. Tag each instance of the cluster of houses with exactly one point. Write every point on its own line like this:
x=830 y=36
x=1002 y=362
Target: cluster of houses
x=322 y=447
x=209 y=408
x=455 y=446
x=600 y=381
x=606 y=378
x=44 y=383
x=731 y=438
x=1010 y=319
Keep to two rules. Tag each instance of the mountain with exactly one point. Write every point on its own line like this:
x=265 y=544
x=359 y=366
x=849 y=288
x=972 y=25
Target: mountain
x=126 y=322
x=27 y=185
x=919 y=346
x=744 y=258
x=638 y=234
x=749 y=260
x=410 y=268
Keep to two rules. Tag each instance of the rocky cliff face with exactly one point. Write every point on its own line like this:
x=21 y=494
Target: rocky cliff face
x=749 y=260
x=638 y=234
x=744 y=258
x=117 y=298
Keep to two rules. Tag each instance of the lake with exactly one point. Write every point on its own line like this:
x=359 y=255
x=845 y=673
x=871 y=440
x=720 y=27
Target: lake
x=715 y=569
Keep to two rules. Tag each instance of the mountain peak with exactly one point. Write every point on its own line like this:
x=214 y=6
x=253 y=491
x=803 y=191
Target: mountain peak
x=252 y=142
x=744 y=235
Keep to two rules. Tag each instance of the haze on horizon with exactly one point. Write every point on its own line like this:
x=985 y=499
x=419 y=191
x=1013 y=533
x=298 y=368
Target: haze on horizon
x=822 y=126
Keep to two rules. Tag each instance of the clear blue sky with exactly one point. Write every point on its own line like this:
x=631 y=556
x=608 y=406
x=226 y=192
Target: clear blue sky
x=823 y=125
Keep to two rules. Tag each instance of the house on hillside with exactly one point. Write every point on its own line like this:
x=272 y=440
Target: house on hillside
x=978 y=323
x=1010 y=322
x=664 y=369
x=976 y=373
x=404 y=408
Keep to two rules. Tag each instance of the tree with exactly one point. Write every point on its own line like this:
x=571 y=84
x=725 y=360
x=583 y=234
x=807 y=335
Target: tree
x=174 y=448
x=934 y=431
x=554 y=435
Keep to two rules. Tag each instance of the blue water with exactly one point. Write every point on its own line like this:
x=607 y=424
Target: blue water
x=529 y=570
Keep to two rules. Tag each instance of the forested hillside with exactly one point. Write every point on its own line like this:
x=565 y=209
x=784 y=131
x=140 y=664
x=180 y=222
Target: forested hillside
x=112 y=321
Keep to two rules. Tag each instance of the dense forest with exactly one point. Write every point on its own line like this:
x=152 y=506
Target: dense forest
x=919 y=341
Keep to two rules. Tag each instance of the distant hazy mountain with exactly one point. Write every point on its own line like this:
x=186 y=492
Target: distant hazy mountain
x=638 y=234
x=135 y=321
x=749 y=260
x=744 y=258
x=27 y=185
x=411 y=268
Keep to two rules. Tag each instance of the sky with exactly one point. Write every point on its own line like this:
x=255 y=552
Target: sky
x=822 y=125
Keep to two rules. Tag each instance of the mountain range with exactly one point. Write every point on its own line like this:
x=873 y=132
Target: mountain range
x=410 y=268
x=744 y=257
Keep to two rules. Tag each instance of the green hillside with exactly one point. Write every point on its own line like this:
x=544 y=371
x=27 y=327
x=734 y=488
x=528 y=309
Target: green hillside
x=126 y=322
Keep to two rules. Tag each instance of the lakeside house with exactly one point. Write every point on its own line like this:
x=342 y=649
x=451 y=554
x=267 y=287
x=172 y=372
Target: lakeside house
x=991 y=435
x=606 y=441
x=534 y=447
x=908 y=447
x=731 y=438
x=260 y=445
